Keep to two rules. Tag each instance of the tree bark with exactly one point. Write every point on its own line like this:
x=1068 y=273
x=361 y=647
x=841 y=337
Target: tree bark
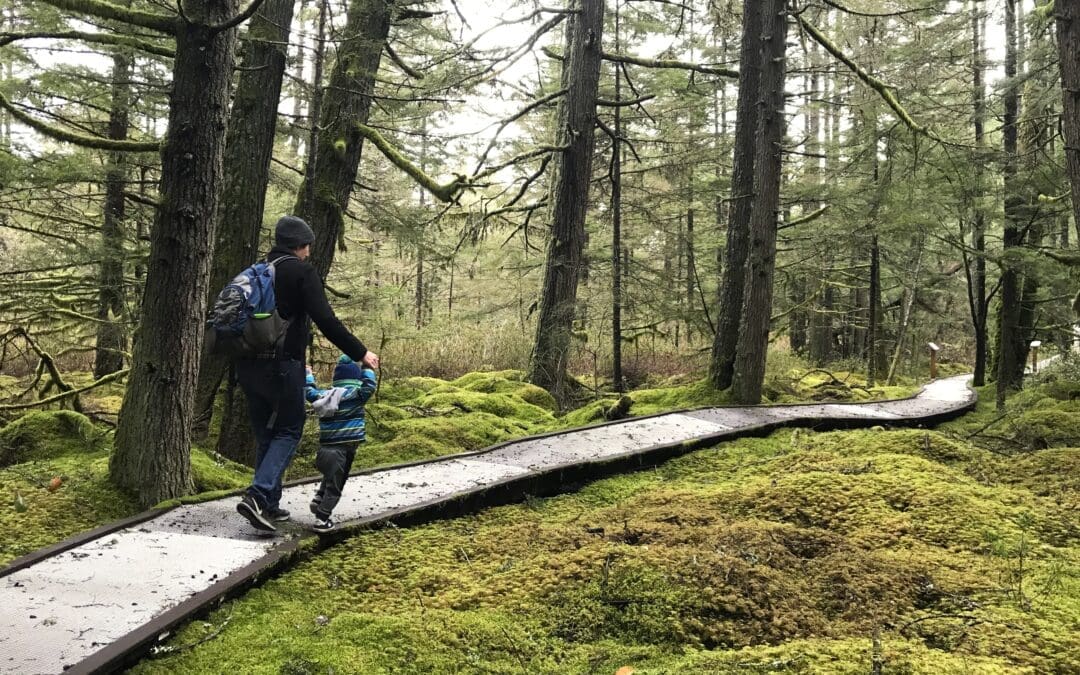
x=979 y=302
x=749 y=376
x=248 y=148
x=1010 y=366
x=1068 y=34
x=111 y=331
x=719 y=133
x=822 y=335
x=691 y=272
x=873 y=330
x=908 y=302
x=298 y=61
x=153 y=436
x=725 y=342
x=569 y=200
x=616 y=225
x=328 y=185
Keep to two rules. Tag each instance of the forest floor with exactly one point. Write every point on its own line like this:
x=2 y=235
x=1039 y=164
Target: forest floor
x=954 y=550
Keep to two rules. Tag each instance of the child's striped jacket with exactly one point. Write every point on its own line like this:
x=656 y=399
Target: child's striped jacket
x=347 y=424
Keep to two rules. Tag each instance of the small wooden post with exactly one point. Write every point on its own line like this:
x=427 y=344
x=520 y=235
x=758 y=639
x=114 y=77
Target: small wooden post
x=934 y=349
x=1035 y=344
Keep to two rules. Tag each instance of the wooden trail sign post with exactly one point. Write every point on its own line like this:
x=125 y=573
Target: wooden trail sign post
x=934 y=349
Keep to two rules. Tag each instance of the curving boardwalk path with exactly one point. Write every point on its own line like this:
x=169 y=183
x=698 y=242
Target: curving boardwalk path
x=100 y=600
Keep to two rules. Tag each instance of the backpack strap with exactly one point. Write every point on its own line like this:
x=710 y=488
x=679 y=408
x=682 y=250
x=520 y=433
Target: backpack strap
x=275 y=261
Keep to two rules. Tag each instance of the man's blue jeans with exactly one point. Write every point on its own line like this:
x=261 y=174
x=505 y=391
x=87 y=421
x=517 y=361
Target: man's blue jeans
x=275 y=395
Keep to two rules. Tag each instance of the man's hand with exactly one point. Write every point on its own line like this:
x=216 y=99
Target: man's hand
x=371 y=360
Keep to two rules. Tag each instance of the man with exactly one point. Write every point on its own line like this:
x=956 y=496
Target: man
x=275 y=385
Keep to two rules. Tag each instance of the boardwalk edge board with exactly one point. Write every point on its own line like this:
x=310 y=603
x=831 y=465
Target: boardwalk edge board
x=536 y=483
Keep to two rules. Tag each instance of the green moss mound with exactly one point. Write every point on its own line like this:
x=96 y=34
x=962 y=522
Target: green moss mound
x=502 y=405
x=394 y=392
x=507 y=382
x=213 y=473
x=42 y=435
x=1049 y=424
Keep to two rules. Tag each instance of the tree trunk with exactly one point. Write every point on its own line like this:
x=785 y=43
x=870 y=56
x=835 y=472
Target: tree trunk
x=1068 y=34
x=719 y=133
x=153 y=436
x=248 y=147
x=749 y=376
x=9 y=74
x=1010 y=367
x=722 y=363
x=569 y=200
x=691 y=275
x=616 y=225
x=797 y=317
x=111 y=332
x=822 y=337
x=905 y=318
x=421 y=298
x=873 y=330
x=299 y=60
x=329 y=180
x=979 y=302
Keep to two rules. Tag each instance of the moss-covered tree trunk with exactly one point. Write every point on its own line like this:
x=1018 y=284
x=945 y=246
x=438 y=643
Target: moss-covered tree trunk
x=749 y=376
x=153 y=436
x=330 y=176
x=568 y=199
x=1068 y=34
x=248 y=147
x=1010 y=364
x=111 y=342
x=722 y=363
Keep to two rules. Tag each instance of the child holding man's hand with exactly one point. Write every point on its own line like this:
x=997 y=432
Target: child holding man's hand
x=341 y=431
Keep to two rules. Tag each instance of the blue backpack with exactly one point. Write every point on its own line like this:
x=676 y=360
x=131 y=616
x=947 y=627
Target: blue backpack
x=244 y=321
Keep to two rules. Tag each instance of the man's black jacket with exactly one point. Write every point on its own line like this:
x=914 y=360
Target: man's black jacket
x=300 y=295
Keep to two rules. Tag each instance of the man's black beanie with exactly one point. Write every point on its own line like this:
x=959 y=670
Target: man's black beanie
x=292 y=232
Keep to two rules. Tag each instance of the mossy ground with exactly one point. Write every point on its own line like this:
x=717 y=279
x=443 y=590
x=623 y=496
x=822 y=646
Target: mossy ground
x=783 y=554
x=64 y=445
x=786 y=553
x=796 y=553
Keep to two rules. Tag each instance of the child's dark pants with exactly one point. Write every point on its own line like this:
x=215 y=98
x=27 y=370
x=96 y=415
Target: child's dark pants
x=334 y=461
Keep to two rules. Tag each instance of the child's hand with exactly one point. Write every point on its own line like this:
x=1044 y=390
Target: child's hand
x=307 y=369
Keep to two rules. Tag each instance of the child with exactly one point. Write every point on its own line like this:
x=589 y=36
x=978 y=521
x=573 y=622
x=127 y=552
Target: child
x=341 y=430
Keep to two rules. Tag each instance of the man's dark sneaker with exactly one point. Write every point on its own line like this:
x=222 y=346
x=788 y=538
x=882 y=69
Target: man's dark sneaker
x=323 y=525
x=250 y=509
x=278 y=515
x=314 y=506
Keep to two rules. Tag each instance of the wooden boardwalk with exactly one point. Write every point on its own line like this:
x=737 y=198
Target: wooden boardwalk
x=100 y=600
